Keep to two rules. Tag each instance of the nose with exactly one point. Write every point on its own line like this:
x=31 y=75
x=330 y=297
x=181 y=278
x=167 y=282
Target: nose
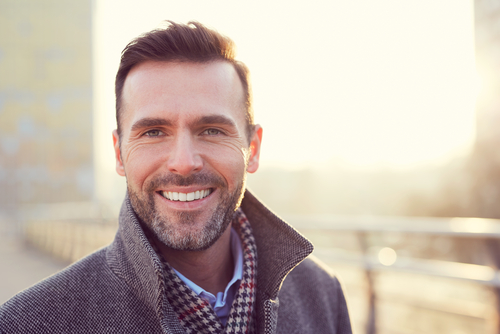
x=183 y=157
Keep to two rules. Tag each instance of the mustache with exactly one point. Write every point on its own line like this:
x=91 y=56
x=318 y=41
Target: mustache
x=198 y=179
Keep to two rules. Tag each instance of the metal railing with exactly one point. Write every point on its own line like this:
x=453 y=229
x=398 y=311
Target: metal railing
x=486 y=231
x=69 y=238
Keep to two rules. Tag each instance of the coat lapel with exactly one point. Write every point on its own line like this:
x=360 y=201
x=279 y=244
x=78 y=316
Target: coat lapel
x=133 y=259
x=279 y=249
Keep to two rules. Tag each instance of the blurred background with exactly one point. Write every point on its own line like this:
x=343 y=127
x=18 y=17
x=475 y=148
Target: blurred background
x=380 y=141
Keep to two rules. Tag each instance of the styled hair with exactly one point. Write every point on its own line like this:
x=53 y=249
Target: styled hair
x=183 y=43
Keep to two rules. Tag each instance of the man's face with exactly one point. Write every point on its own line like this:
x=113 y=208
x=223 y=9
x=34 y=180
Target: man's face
x=184 y=149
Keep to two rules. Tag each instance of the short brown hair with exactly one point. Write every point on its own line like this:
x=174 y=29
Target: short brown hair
x=184 y=43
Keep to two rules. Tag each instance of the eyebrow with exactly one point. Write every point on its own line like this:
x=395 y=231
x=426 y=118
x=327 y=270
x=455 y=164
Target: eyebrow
x=209 y=119
x=215 y=119
x=149 y=122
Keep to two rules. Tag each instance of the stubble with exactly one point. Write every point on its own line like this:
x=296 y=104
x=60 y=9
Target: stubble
x=181 y=231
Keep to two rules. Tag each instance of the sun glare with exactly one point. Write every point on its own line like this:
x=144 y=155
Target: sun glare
x=391 y=85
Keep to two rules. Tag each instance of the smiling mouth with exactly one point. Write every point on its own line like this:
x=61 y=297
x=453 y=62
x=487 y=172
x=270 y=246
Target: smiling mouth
x=186 y=197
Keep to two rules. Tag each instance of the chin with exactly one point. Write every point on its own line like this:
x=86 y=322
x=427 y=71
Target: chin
x=181 y=236
x=174 y=230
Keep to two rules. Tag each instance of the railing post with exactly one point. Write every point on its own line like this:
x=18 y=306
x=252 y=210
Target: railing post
x=371 y=327
x=494 y=251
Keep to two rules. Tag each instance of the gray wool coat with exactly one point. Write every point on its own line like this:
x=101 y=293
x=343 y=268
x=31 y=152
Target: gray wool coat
x=118 y=288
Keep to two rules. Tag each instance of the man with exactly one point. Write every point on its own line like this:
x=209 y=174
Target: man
x=195 y=252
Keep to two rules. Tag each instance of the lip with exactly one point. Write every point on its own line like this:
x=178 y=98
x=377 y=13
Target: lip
x=187 y=206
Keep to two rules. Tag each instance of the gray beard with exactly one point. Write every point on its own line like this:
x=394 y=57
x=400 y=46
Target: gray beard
x=185 y=239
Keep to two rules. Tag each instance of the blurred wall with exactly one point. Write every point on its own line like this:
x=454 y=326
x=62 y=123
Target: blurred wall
x=485 y=160
x=487 y=45
x=45 y=102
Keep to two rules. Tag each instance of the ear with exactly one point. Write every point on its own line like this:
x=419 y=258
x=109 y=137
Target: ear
x=253 y=161
x=119 y=163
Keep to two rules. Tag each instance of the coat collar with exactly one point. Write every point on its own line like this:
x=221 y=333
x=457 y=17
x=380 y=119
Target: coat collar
x=279 y=249
x=279 y=246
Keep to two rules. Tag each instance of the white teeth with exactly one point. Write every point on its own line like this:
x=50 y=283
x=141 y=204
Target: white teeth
x=186 y=197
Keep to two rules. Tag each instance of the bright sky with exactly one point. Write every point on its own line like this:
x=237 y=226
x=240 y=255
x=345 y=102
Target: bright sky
x=367 y=83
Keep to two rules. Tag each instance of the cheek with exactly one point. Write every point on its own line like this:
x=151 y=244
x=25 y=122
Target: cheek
x=230 y=150
x=142 y=162
x=228 y=160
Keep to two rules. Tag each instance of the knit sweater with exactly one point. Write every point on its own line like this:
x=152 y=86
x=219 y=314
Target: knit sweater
x=120 y=289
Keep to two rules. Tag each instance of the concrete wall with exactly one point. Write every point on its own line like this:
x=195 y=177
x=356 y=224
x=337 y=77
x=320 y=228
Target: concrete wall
x=45 y=102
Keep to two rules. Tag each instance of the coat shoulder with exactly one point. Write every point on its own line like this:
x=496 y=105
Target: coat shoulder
x=69 y=281
x=79 y=298
x=312 y=300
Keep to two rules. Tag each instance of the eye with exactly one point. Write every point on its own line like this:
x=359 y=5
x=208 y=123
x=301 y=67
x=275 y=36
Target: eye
x=212 y=132
x=153 y=133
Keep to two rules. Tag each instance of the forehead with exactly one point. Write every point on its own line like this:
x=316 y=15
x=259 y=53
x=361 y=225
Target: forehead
x=179 y=90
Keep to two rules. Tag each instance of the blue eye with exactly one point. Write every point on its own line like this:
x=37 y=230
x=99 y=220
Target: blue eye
x=153 y=133
x=212 y=132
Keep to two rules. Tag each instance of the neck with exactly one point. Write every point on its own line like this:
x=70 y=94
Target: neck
x=210 y=269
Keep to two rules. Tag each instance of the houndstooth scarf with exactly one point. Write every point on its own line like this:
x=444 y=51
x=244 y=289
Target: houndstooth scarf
x=196 y=315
